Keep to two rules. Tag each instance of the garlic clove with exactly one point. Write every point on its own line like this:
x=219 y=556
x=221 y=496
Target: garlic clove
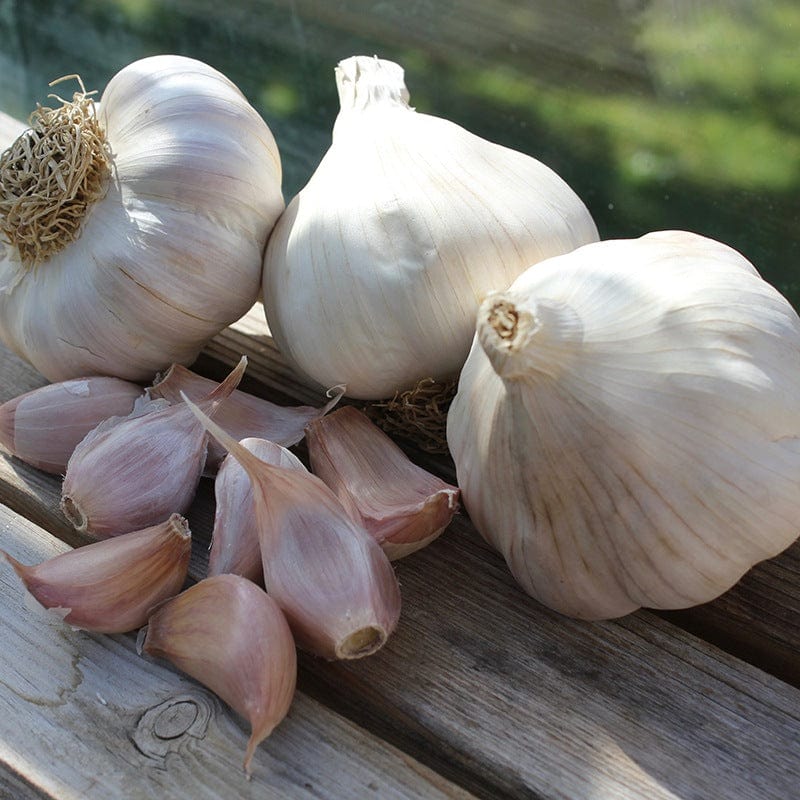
x=230 y=635
x=243 y=415
x=132 y=472
x=44 y=426
x=626 y=430
x=111 y=586
x=234 y=542
x=401 y=505
x=331 y=579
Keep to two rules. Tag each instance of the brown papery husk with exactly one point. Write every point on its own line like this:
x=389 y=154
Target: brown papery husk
x=51 y=175
x=227 y=633
x=234 y=542
x=401 y=505
x=418 y=415
x=134 y=471
x=333 y=582
x=243 y=415
x=111 y=586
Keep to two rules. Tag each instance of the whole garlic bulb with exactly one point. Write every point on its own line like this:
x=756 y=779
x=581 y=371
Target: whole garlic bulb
x=162 y=248
x=373 y=275
x=627 y=427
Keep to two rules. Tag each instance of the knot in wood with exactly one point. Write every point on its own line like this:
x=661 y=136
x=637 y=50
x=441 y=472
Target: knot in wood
x=164 y=728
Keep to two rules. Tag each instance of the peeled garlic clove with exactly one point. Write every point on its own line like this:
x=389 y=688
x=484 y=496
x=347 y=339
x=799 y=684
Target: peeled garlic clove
x=626 y=430
x=132 y=472
x=111 y=586
x=373 y=274
x=331 y=579
x=44 y=426
x=234 y=542
x=227 y=633
x=401 y=505
x=243 y=415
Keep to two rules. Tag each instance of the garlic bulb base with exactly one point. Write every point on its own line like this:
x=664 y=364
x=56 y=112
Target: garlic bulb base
x=51 y=175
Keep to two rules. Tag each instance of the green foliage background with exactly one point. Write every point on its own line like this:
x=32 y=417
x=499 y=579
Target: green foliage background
x=660 y=113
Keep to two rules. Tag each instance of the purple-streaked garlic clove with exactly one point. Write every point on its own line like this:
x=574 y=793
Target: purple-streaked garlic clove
x=401 y=505
x=243 y=415
x=234 y=543
x=230 y=635
x=111 y=586
x=333 y=582
x=132 y=472
x=43 y=427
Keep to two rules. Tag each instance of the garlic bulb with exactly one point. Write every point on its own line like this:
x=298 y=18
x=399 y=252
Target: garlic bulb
x=145 y=233
x=373 y=275
x=627 y=429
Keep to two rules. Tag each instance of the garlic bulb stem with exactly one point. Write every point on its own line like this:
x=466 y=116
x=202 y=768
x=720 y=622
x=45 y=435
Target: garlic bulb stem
x=541 y=337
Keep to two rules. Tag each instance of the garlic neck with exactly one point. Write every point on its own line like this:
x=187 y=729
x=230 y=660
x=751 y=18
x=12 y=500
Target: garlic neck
x=367 y=82
x=50 y=177
x=523 y=338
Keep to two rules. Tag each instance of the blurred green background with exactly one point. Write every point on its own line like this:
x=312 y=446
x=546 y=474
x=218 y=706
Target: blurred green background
x=659 y=113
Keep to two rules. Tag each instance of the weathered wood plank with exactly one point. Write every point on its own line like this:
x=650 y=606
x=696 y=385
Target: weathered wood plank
x=560 y=707
x=81 y=715
x=497 y=693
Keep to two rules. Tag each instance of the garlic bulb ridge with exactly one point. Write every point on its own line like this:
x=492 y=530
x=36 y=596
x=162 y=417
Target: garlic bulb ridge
x=373 y=275
x=626 y=430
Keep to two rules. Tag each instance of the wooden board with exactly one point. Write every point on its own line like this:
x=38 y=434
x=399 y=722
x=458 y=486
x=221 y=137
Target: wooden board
x=82 y=715
x=502 y=696
x=480 y=690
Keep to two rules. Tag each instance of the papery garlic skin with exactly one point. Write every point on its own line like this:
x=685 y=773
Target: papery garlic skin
x=402 y=506
x=331 y=579
x=243 y=415
x=44 y=426
x=227 y=633
x=134 y=471
x=111 y=586
x=172 y=253
x=626 y=430
x=373 y=274
x=234 y=541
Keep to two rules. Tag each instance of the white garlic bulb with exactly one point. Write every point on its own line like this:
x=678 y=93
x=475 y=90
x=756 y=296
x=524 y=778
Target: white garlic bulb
x=161 y=248
x=373 y=275
x=627 y=427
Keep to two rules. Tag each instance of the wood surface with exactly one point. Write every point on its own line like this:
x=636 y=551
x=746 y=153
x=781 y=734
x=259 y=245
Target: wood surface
x=481 y=690
x=82 y=715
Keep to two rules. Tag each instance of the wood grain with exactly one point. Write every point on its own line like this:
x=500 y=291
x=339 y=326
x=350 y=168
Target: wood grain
x=506 y=698
x=83 y=716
